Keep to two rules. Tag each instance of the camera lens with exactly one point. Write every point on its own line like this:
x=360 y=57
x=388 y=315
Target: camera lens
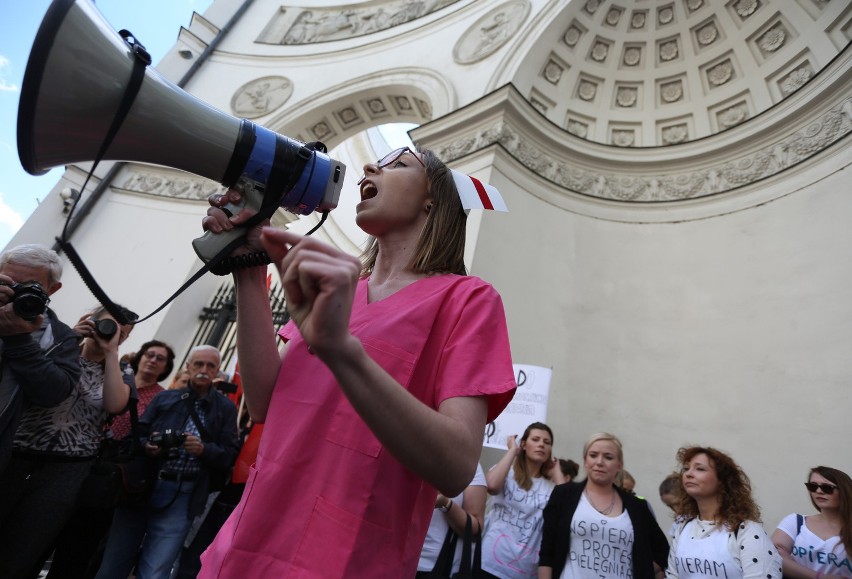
x=106 y=328
x=28 y=307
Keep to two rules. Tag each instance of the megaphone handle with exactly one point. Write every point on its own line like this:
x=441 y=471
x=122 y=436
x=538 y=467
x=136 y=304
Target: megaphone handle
x=209 y=244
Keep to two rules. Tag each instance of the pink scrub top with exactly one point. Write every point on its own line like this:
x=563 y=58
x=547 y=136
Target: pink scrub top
x=325 y=499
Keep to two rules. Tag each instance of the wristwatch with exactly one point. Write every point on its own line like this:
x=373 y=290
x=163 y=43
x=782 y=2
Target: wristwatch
x=447 y=507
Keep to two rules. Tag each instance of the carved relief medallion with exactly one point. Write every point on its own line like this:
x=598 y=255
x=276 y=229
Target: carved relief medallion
x=707 y=34
x=745 y=8
x=632 y=56
x=671 y=92
x=552 y=72
x=721 y=73
x=326 y=24
x=796 y=79
x=668 y=51
x=261 y=96
x=773 y=39
x=491 y=32
x=572 y=36
x=638 y=20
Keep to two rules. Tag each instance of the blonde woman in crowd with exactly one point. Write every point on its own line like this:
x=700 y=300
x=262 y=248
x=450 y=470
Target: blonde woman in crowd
x=180 y=380
x=595 y=528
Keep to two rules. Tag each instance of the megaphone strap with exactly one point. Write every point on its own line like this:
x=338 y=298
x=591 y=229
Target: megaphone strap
x=221 y=264
x=137 y=76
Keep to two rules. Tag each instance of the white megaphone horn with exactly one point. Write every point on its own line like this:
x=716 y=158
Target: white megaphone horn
x=75 y=80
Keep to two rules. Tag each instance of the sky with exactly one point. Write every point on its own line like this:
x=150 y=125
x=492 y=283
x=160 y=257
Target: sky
x=154 y=23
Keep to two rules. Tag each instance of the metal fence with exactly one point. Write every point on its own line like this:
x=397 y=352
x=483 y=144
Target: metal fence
x=218 y=326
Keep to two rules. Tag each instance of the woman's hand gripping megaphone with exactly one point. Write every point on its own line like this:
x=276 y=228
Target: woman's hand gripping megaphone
x=224 y=222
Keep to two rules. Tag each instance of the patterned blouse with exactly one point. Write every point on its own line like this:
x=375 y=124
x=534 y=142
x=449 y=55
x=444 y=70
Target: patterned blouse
x=74 y=427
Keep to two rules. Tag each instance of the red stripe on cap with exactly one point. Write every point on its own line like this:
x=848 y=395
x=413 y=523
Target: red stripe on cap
x=483 y=194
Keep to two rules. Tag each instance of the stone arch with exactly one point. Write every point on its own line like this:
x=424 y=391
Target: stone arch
x=394 y=96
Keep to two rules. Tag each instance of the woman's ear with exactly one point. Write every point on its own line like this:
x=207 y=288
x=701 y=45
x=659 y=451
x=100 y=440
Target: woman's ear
x=428 y=207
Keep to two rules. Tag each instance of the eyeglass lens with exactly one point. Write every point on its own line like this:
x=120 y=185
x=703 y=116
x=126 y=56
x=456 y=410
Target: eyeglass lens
x=159 y=357
x=391 y=157
x=826 y=488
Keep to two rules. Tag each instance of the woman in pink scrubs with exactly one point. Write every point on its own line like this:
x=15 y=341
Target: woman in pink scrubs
x=378 y=398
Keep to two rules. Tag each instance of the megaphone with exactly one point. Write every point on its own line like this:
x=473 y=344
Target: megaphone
x=74 y=83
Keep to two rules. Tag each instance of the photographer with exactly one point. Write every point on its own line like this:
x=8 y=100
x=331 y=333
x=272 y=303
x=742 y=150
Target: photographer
x=39 y=362
x=192 y=431
x=54 y=449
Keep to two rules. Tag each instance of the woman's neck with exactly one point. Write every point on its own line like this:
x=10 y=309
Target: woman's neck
x=708 y=508
x=599 y=489
x=143 y=379
x=832 y=517
x=533 y=467
x=390 y=274
x=92 y=353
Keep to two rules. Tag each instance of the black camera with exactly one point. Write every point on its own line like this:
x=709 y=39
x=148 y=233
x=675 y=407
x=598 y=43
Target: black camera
x=168 y=440
x=105 y=328
x=226 y=387
x=29 y=300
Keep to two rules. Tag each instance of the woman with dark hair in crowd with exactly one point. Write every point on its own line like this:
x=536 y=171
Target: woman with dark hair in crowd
x=594 y=528
x=151 y=364
x=513 y=523
x=390 y=369
x=718 y=531
x=819 y=546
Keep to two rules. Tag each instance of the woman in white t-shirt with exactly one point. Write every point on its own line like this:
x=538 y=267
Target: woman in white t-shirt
x=595 y=528
x=513 y=524
x=453 y=513
x=819 y=546
x=718 y=531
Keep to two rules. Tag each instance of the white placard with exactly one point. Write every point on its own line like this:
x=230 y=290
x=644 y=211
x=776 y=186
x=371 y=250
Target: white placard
x=529 y=405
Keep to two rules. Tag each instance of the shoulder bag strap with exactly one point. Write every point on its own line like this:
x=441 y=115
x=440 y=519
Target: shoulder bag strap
x=444 y=563
x=465 y=565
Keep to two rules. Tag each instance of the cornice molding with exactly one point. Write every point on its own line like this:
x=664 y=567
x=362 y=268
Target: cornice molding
x=179 y=186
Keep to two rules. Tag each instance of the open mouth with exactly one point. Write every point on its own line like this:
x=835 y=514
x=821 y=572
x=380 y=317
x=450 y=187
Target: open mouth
x=368 y=190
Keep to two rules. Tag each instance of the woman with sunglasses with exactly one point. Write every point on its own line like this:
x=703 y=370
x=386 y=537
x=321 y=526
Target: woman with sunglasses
x=389 y=371
x=718 y=531
x=819 y=546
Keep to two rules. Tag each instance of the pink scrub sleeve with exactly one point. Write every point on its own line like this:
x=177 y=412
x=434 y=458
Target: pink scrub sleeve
x=473 y=358
x=466 y=352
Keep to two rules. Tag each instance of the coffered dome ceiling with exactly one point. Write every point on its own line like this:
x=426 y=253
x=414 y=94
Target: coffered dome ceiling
x=642 y=73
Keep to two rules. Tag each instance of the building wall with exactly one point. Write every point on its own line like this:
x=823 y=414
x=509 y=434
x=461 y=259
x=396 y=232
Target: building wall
x=728 y=329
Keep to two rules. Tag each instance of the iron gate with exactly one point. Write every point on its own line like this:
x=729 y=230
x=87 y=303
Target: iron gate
x=218 y=325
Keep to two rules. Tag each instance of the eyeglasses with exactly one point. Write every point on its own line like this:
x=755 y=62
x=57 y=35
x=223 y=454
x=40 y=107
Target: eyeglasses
x=156 y=356
x=824 y=487
x=391 y=158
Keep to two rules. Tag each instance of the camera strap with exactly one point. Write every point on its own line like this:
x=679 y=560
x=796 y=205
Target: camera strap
x=190 y=402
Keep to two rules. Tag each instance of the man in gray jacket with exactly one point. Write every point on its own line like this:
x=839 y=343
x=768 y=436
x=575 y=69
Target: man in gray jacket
x=39 y=355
